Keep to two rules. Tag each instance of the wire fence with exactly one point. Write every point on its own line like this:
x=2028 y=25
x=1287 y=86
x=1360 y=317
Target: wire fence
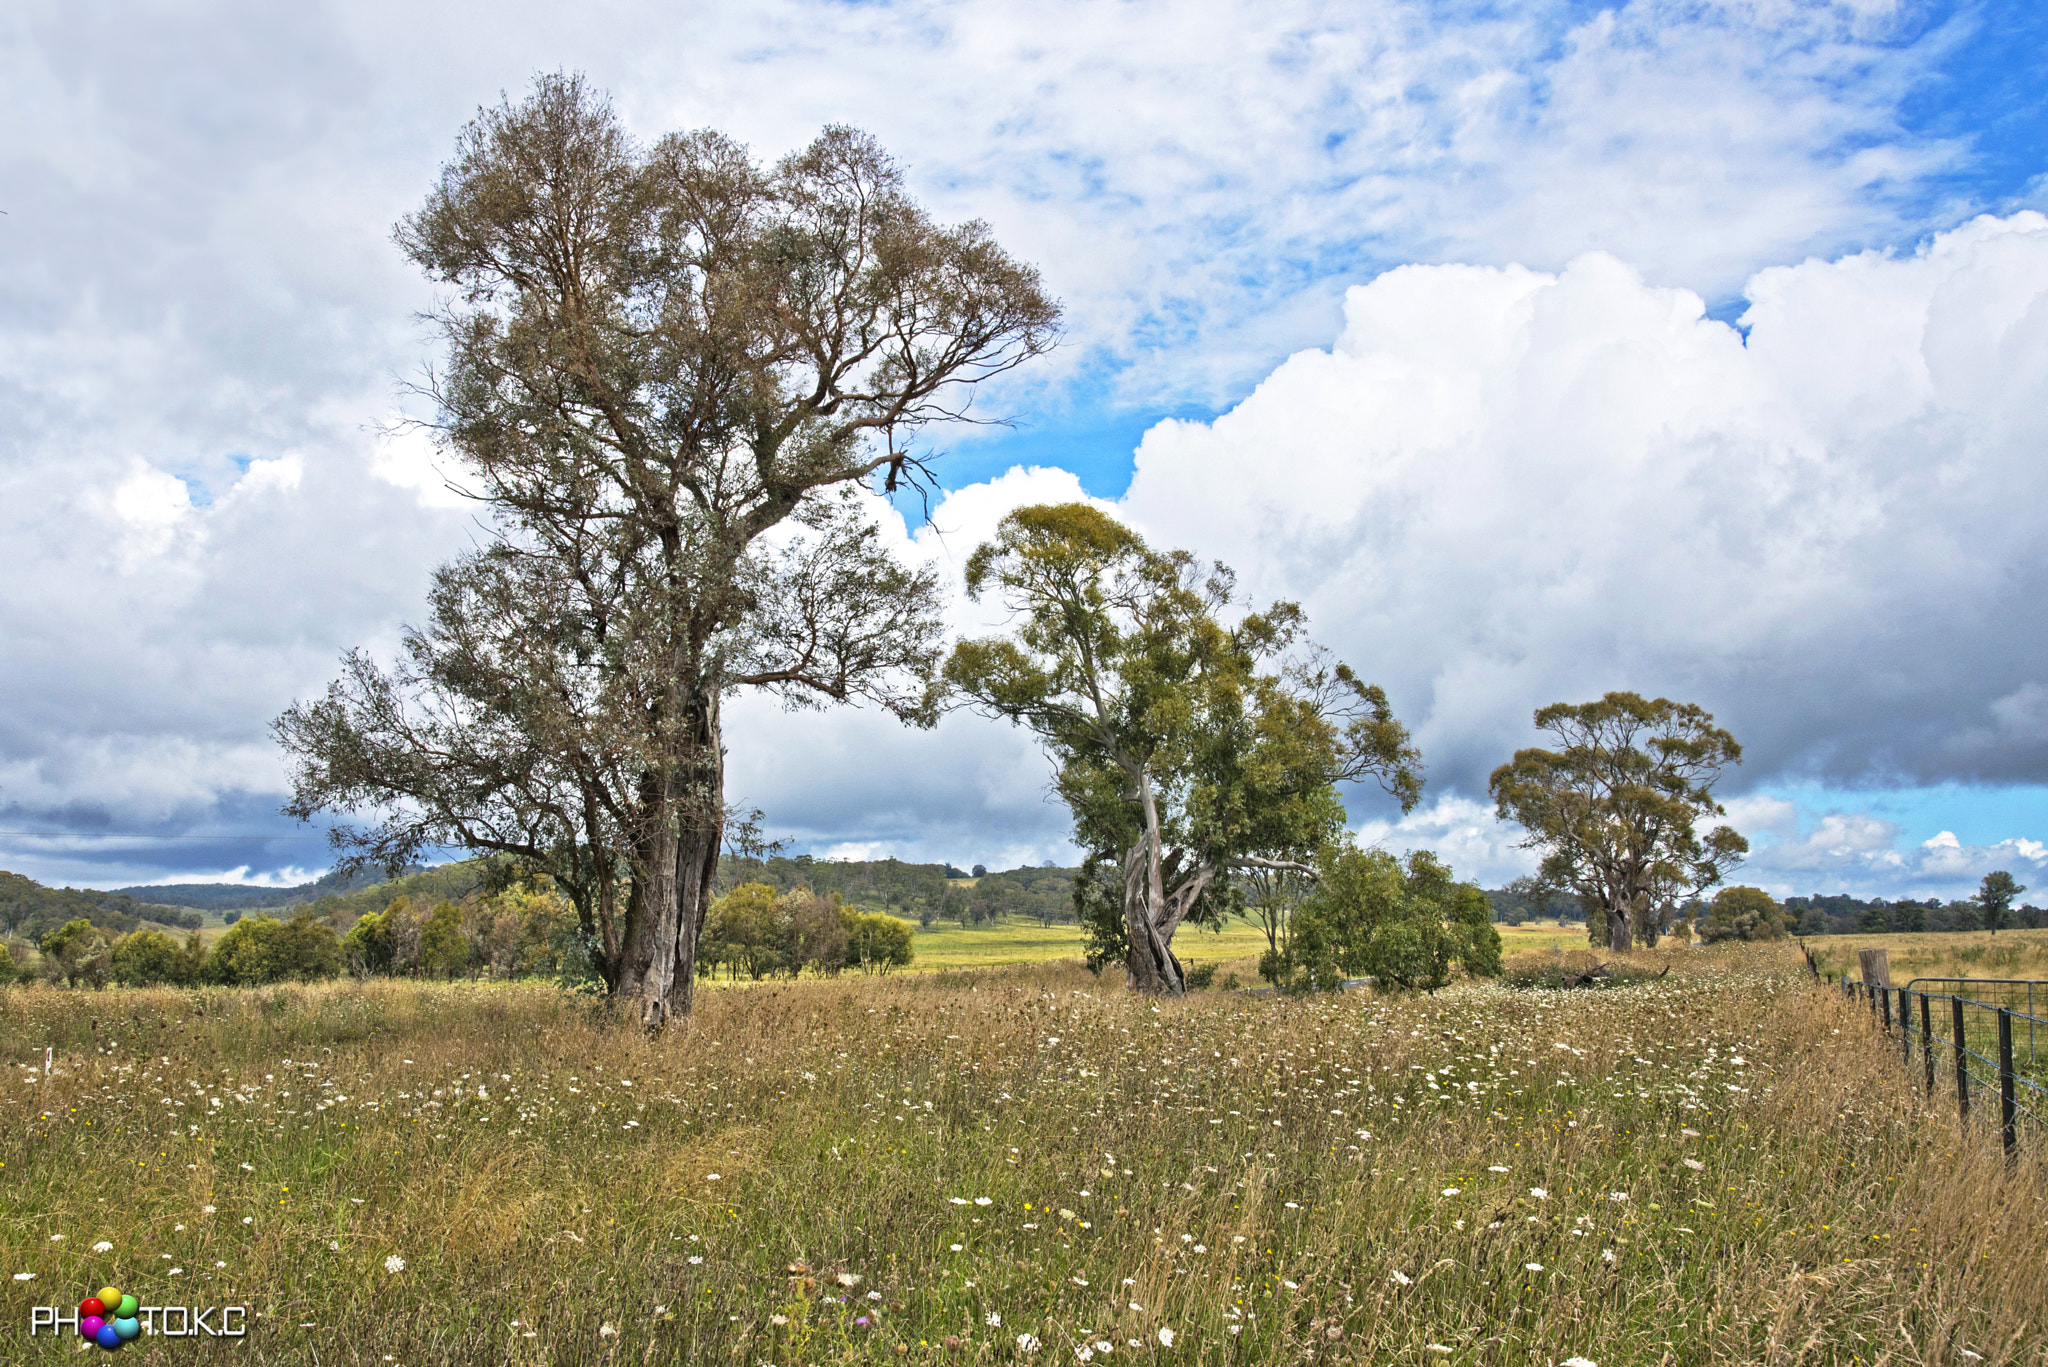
x=1986 y=1038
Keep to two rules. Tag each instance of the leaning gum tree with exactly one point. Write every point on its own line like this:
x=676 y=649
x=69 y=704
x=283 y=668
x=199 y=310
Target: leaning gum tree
x=1195 y=743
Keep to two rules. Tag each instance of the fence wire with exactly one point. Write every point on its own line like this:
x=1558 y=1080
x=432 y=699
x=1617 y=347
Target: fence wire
x=1985 y=1039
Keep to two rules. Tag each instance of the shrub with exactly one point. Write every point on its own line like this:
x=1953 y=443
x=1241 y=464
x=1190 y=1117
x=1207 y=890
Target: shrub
x=261 y=949
x=1370 y=916
x=77 y=953
x=1742 y=913
x=1201 y=977
x=876 y=943
x=145 y=958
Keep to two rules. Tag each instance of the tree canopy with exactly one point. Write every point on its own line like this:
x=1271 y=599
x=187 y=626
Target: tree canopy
x=1193 y=739
x=667 y=368
x=1617 y=809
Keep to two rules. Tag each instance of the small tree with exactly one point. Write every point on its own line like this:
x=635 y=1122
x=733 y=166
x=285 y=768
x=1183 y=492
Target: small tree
x=1742 y=913
x=1995 y=897
x=1617 y=809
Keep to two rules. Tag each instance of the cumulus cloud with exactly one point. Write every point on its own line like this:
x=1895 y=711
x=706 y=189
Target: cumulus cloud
x=1504 y=487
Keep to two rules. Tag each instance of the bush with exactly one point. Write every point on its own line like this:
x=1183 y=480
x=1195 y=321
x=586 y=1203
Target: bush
x=1556 y=969
x=261 y=949
x=1200 y=978
x=1743 y=914
x=77 y=953
x=1370 y=916
x=876 y=943
x=145 y=958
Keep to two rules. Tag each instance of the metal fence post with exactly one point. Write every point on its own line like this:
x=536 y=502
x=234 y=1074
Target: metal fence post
x=2008 y=1104
x=1927 y=1042
x=1962 y=1060
x=1884 y=1000
x=1905 y=1028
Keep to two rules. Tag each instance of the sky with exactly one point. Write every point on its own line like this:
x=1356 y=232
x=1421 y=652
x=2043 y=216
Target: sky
x=1536 y=349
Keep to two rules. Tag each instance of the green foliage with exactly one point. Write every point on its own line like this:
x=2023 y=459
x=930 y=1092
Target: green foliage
x=145 y=958
x=1743 y=913
x=1042 y=894
x=444 y=952
x=262 y=949
x=77 y=954
x=753 y=931
x=1371 y=916
x=1200 y=977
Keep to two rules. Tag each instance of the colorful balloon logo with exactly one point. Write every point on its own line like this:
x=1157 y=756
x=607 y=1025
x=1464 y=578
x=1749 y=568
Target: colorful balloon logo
x=108 y=1319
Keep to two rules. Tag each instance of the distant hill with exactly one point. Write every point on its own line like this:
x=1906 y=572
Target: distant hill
x=27 y=908
x=241 y=897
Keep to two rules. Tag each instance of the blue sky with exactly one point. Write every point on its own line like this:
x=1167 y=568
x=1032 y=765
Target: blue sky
x=1288 y=236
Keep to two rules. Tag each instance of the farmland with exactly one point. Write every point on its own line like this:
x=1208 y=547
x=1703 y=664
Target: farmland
x=1009 y=1164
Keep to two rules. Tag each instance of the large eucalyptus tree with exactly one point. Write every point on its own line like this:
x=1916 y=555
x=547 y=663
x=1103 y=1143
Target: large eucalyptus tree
x=1624 y=811
x=667 y=367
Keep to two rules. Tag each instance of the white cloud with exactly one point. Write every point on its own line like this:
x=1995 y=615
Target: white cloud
x=1502 y=488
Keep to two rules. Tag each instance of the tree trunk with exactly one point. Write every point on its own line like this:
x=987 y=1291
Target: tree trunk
x=1617 y=929
x=1149 y=961
x=675 y=859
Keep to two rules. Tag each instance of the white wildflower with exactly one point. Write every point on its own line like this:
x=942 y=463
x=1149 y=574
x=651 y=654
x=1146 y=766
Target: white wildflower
x=995 y=1321
x=1578 y=1362
x=1533 y=1267
x=103 y=1247
x=1617 y=1196
x=1539 y=1193
x=1496 y=1168
x=24 y=1276
x=607 y=1330
x=1694 y=1164
x=1450 y=1191
x=394 y=1264
x=1400 y=1278
x=1165 y=1337
x=1027 y=1343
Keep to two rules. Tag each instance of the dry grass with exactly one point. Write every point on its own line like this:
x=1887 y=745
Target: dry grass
x=1963 y=954
x=1725 y=1166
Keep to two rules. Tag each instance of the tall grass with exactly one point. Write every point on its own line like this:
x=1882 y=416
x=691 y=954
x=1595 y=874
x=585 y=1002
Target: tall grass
x=1723 y=1166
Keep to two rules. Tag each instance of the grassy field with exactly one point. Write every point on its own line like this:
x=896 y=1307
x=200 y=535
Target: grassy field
x=1017 y=1164
x=1970 y=954
x=1235 y=948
